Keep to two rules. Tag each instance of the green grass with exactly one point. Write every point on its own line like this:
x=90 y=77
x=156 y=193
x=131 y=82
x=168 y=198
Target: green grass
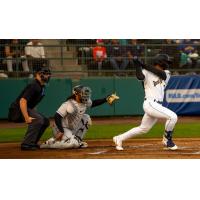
x=108 y=131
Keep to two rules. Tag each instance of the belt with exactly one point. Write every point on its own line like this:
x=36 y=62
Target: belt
x=160 y=102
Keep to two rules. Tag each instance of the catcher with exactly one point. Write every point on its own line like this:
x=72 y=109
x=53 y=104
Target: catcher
x=71 y=122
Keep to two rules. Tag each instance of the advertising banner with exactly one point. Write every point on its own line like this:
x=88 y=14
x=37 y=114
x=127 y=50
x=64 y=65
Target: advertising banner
x=183 y=95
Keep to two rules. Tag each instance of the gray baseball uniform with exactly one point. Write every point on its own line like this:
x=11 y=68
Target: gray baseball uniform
x=75 y=124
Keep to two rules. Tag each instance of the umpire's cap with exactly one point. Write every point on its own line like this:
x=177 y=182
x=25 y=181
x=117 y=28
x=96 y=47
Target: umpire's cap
x=44 y=70
x=41 y=65
x=163 y=60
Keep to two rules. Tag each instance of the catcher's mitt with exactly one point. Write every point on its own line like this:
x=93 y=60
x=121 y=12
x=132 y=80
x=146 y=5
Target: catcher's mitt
x=111 y=98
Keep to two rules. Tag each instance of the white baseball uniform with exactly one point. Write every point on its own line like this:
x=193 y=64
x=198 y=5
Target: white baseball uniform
x=154 y=93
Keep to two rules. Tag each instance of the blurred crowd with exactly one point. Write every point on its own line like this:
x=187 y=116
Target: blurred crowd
x=23 y=55
x=117 y=54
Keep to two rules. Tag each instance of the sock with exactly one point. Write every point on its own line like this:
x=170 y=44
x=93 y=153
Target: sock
x=168 y=134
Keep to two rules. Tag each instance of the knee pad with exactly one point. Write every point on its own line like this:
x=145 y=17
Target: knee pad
x=70 y=143
x=87 y=120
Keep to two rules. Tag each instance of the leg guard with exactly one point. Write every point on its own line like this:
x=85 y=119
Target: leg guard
x=71 y=143
x=83 y=126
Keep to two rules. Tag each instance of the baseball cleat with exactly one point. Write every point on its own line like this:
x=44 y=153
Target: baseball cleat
x=44 y=145
x=169 y=143
x=48 y=143
x=83 y=144
x=118 y=143
x=26 y=147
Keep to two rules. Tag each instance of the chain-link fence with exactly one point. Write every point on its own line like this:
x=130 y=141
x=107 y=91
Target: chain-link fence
x=81 y=58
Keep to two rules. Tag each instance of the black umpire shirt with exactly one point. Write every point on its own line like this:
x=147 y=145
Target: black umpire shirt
x=33 y=93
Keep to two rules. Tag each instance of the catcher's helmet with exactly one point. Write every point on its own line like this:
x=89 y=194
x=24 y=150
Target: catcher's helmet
x=163 y=60
x=83 y=92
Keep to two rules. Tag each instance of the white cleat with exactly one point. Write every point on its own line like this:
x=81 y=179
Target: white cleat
x=118 y=143
x=173 y=148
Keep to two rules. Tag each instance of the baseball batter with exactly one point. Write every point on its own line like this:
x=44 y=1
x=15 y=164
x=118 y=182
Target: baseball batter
x=155 y=79
x=71 y=122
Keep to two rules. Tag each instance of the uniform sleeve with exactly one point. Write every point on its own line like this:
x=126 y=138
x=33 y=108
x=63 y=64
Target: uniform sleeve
x=58 y=122
x=145 y=72
x=138 y=68
x=65 y=108
x=168 y=75
x=98 y=102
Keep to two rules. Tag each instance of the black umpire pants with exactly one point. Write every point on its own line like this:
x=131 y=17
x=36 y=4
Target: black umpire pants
x=36 y=128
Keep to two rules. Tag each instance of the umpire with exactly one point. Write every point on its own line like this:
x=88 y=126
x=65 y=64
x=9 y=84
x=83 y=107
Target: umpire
x=22 y=109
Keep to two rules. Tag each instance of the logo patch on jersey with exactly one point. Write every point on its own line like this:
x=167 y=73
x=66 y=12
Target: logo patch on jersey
x=183 y=95
x=159 y=81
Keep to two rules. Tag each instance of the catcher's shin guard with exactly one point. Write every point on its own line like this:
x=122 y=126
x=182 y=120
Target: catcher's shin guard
x=83 y=126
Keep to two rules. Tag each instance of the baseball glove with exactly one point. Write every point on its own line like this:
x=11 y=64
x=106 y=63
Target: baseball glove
x=111 y=98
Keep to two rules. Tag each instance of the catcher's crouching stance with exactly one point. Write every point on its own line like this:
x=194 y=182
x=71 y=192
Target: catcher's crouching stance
x=71 y=122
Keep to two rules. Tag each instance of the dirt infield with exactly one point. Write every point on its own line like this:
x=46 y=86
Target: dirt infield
x=135 y=148
x=104 y=149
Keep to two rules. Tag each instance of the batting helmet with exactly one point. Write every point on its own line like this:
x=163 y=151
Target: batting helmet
x=163 y=60
x=83 y=92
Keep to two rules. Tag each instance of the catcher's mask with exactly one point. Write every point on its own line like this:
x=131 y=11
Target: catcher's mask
x=163 y=60
x=83 y=92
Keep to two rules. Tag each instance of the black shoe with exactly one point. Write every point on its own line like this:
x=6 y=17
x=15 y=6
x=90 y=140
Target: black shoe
x=30 y=147
x=37 y=146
